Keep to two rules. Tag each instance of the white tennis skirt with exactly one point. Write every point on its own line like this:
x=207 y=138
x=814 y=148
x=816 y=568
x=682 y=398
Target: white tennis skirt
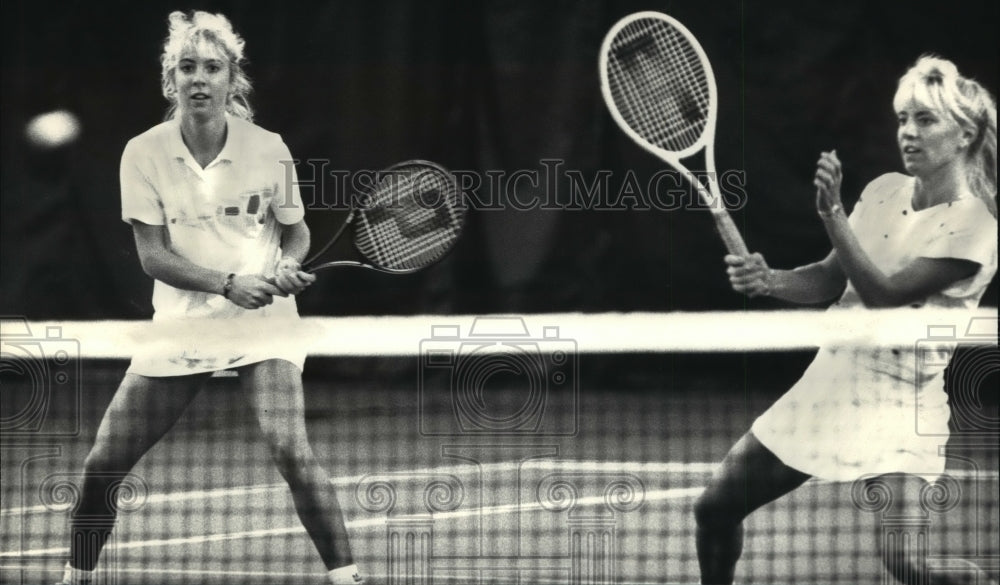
x=191 y=346
x=853 y=414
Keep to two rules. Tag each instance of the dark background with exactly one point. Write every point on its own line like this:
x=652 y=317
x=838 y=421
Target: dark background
x=475 y=86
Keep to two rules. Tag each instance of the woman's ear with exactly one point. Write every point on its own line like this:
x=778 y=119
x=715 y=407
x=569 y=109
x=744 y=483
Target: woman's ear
x=968 y=136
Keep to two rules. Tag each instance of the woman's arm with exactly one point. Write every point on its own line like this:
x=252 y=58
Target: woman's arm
x=289 y=275
x=813 y=283
x=249 y=291
x=295 y=241
x=161 y=263
x=917 y=280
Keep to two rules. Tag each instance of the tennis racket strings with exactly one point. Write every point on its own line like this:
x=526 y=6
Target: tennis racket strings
x=659 y=84
x=411 y=219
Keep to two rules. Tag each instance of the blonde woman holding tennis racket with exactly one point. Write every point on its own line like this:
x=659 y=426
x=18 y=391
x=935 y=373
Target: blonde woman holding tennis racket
x=925 y=239
x=220 y=229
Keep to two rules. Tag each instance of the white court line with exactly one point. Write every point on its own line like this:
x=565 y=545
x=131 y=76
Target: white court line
x=282 y=575
x=202 y=572
x=626 y=466
x=650 y=496
x=167 y=498
x=658 y=495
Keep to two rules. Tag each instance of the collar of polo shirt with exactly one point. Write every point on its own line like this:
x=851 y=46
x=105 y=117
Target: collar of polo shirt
x=230 y=151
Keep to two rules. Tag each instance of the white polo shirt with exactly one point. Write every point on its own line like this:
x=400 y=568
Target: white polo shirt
x=225 y=217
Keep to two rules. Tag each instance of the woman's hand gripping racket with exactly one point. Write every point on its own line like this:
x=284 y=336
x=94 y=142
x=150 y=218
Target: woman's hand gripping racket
x=659 y=86
x=409 y=219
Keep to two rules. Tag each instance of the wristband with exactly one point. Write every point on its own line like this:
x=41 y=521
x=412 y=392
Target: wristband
x=227 y=287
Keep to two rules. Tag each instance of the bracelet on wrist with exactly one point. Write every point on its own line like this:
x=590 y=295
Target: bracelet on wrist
x=768 y=282
x=830 y=212
x=227 y=286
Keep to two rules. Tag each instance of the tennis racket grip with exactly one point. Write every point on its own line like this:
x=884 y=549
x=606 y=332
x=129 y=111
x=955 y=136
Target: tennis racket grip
x=730 y=235
x=723 y=221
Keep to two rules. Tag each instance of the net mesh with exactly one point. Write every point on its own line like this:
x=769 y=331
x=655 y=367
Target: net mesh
x=559 y=448
x=411 y=218
x=658 y=83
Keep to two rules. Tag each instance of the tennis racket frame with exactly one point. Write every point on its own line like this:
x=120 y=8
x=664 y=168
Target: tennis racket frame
x=711 y=196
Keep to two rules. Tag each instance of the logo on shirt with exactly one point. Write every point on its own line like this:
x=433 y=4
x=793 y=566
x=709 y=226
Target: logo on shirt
x=251 y=206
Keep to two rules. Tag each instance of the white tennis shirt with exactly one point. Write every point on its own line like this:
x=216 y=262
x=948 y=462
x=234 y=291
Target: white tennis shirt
x=860 y=411
x=225 y=217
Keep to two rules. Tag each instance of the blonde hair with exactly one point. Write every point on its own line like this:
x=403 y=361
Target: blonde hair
x=936 y=82
x=186 y=31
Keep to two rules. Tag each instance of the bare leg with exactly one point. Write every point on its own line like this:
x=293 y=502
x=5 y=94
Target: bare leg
x=749 y=477
x=275 y=391
x=904 y=491
x=141 y=412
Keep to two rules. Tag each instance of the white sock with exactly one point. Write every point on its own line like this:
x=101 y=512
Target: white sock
x=73 y=576
x=348 y=575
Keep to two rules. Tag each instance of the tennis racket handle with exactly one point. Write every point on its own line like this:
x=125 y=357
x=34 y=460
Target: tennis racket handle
x=730 y=235
x=337 y=264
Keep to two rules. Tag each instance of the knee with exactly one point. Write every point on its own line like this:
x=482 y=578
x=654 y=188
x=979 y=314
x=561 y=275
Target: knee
x=711 y=511
x=102 y=459
x=293 y=457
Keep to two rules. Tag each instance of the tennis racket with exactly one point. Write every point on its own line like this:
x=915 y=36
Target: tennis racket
x=407 y=220
x=659 y=86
